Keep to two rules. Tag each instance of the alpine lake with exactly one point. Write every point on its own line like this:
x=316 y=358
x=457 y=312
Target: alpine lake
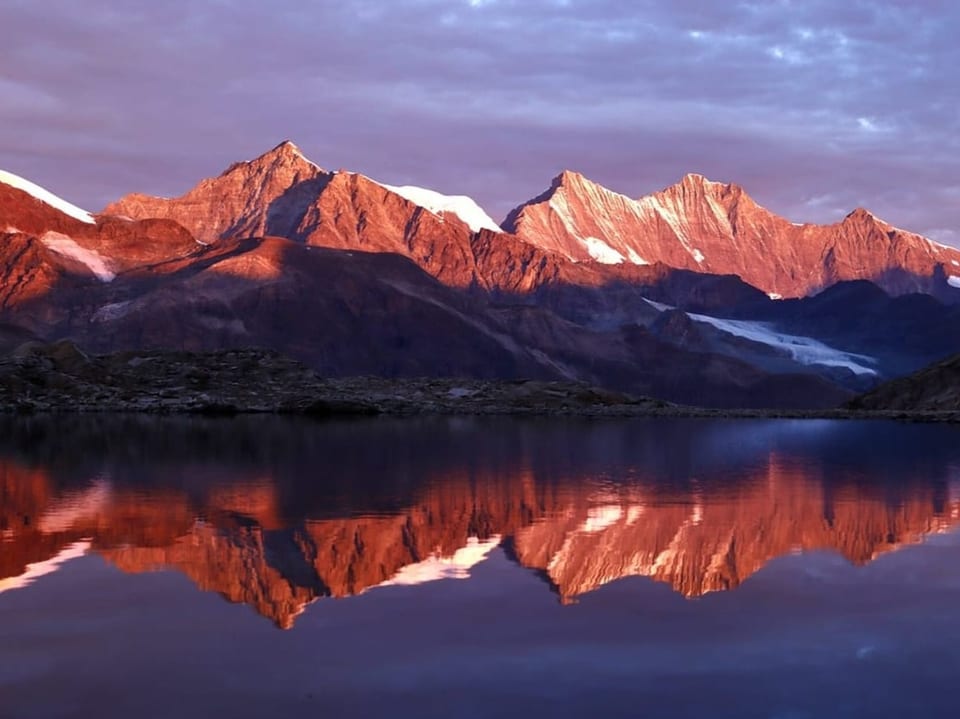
x=461 y=567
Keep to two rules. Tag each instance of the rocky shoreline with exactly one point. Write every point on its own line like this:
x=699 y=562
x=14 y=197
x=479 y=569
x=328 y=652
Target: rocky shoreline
x=61 y=379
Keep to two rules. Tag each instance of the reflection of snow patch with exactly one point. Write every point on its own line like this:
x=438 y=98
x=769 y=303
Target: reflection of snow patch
x=67 y=511
x=599 y=518
x=953 y=281
x=457 y=566
x=601 y=251
x=48 y=566
x=634 y=512
x=46 y=197
x=91 y=259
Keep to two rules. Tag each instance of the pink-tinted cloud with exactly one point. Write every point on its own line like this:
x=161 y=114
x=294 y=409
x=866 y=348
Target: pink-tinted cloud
x=815 y=107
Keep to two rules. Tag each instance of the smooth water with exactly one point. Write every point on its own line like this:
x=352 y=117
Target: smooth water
x=466 y=568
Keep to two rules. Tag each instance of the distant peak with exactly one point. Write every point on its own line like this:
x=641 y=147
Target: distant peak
x=695 y=179
x=862 y=214
x=286 y=151
x=569 y=177
x=287 y=146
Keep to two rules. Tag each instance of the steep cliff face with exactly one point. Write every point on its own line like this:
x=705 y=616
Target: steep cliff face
x=717 y=228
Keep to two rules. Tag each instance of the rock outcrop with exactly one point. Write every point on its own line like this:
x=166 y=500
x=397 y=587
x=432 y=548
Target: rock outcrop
x=933 y=389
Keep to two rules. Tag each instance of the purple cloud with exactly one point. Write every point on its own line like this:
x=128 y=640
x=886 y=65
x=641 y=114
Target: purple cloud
x=814 y=107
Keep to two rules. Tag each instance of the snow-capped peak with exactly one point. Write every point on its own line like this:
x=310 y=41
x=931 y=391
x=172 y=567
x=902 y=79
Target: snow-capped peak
x=45 y=196
x=460 y=205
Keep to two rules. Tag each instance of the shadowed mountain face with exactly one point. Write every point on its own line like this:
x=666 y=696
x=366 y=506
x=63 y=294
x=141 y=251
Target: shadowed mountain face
x=354 y=277
x=277 y=514
x=932 y=389
x=346 y=312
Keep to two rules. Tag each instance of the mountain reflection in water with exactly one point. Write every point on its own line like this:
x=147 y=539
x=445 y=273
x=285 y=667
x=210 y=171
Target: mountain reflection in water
x=279 y=513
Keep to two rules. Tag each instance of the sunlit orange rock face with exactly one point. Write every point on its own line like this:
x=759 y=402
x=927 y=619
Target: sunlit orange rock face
x=255 y=256
x=235 y=541
x=49 y=260
x=576 y=233
x=283 y=194
x=123 y=243
x=717 y=228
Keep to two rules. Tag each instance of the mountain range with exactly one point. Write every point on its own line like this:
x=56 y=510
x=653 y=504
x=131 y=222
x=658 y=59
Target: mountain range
x=695 y=294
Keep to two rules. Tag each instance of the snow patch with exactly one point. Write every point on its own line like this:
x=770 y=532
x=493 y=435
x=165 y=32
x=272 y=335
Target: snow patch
x=804 y=350
x=91 y=259
x=460 y=205
x=953 y=281
x=955 y=263
x=456 y=566
x=601 y=251
x=48 y=566
x=113 y=311
x=299 y=153
x=47 y=197
x=635 y=258
x=698 y=256
x=774 y=295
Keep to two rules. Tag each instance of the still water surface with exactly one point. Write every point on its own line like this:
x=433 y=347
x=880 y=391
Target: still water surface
x=466 y=568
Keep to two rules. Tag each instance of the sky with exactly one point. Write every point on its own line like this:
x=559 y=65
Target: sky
x=815 y=107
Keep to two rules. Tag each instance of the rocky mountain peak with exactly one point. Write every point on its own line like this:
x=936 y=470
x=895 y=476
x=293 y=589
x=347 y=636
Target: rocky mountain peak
x=285 y=159
x=571 y=179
